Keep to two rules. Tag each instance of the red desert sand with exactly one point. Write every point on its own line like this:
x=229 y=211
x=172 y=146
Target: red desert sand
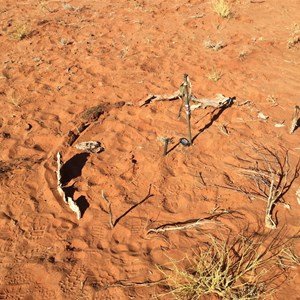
x=90 y=71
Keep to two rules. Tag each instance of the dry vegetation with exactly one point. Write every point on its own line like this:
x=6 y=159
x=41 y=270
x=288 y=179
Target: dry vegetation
x=21 y=32
x=294 y=38
x=65 y=69
x=222 y=8
x=240 y=268
x=214 y=75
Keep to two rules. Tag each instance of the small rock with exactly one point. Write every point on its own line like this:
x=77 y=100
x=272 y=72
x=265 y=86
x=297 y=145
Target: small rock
x=262 y=116
x=279 y=125
x=90 y=146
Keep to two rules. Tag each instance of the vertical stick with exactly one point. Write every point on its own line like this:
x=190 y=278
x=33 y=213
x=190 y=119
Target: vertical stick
x=187 y=87
x=295 y=119
x=166 y=142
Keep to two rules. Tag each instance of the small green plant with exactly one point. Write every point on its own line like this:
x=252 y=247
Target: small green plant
x=21 y=32
x=214 y=75
x=242 y=268
x=222 y=8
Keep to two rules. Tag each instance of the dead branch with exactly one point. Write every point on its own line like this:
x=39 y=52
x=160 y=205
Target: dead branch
x=189 y=223
x=218 y=102
x=270 y=177
x=152 y=98
x=176 y=227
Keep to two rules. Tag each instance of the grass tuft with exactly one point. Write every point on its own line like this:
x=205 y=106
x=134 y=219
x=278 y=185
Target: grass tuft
x=222 y=8
x=214 y=75
x=242 y=269
x=294 y=38
x=21 y=32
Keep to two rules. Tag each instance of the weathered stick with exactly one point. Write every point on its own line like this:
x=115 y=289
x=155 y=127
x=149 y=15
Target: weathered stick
x=269 y=223
x=187 y=90
x=295 y=119
x=218 y=102
x=189 y=223
x=152 y=98
x=166 y=142
x=188 y=226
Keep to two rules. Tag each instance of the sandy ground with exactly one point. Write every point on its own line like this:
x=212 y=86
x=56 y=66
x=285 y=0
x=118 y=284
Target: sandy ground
x=59 y=59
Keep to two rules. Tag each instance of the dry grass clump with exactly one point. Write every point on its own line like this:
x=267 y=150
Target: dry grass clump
x=243 y=268
x=214 y=75
x=294 y=37
x=21 y=32
x=215 y=46
x=222 y=8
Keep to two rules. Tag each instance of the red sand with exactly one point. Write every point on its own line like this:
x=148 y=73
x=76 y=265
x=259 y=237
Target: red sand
x=79 y=54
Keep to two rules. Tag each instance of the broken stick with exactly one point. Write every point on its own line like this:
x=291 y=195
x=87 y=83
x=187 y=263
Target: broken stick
x=186 y=94
x=295 y=120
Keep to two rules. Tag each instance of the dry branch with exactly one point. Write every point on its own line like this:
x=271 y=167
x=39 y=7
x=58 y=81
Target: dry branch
x=152 y=98
x=270 y=177
x=189 y=223
x=175 y=227
x=218 y=102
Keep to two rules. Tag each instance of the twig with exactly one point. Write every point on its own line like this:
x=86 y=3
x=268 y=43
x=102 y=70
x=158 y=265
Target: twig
x=166 y=141
x=153 y=98
x=111 y=223
x=188 y=224
x=187 y=92
x=270 y=203
x=173 y=228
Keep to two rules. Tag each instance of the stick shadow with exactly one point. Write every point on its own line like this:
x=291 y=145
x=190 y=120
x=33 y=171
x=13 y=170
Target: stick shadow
x=215 y=117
